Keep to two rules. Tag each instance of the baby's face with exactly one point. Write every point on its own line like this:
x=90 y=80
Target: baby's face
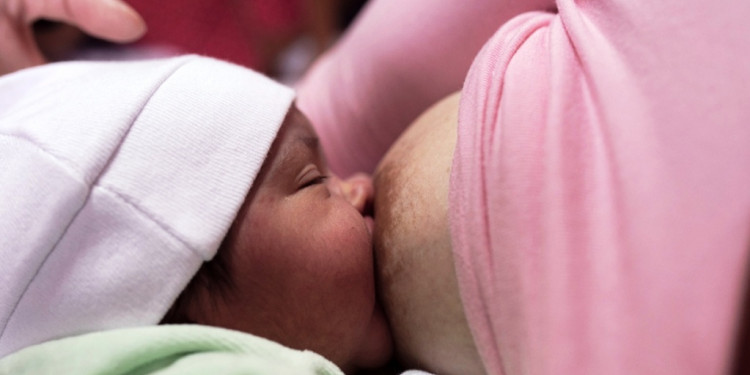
x=301 y=257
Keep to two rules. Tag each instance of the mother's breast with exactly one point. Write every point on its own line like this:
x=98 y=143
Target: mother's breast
x=415 y=271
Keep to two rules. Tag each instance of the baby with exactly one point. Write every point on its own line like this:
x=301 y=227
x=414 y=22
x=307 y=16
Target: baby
x=184 y=190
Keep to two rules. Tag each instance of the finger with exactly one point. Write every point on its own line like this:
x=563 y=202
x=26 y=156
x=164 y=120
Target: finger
x=18 y=48
x=111 y=20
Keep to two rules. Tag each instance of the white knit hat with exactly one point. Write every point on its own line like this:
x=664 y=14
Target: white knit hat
x=117 y=181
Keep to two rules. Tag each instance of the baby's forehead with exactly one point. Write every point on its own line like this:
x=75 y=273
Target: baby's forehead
x=296 y=144
x=296 y=127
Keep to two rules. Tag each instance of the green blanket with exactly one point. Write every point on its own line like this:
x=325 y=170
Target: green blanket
x=165 y=350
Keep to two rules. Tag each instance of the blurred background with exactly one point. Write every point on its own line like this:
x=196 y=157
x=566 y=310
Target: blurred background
x=276 y=37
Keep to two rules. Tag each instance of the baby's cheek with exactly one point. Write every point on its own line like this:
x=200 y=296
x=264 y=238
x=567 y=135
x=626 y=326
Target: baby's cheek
x=356 y=238
x=349 y=254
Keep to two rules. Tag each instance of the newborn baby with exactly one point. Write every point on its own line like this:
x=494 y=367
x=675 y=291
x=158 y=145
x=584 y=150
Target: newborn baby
x=128 y=185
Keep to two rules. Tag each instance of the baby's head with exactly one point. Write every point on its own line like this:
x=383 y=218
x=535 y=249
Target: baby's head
x=188 y=178
x=297 y=263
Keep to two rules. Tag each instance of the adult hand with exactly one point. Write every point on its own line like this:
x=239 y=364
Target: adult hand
x=107 y=19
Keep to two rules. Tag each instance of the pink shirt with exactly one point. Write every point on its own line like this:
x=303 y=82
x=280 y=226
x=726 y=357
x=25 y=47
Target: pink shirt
x=600 y=192
x=396 y=60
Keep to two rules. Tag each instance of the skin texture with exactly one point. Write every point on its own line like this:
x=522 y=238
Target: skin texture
x=112 y=20
x=300 y=259
x=417 y=280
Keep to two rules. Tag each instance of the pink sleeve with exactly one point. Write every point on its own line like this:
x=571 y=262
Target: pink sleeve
x=397 y=59
x=600 y=207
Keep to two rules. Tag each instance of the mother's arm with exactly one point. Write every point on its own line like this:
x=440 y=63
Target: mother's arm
x=397 y=59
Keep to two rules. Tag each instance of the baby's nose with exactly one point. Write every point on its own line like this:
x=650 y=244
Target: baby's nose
x=357 y=190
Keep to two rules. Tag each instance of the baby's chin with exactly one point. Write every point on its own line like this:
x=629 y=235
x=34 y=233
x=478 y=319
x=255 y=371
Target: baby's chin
x=377 y=348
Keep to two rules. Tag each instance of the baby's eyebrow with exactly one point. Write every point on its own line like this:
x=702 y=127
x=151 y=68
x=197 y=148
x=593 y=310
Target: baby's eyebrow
x=311 y=142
